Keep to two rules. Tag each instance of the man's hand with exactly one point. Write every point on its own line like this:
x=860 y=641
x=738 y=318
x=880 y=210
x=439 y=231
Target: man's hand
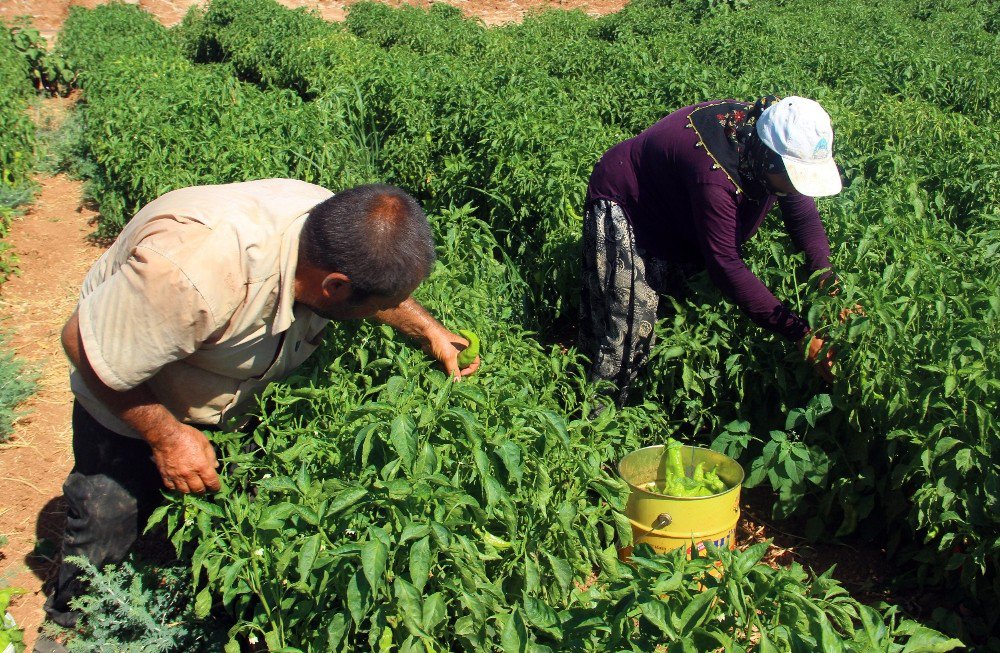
x=444 y=346
x=814 y=354
x=413 y=320
x=185 y=459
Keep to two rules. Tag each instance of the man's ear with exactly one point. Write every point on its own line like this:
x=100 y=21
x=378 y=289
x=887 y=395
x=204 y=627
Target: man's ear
x=336 y=287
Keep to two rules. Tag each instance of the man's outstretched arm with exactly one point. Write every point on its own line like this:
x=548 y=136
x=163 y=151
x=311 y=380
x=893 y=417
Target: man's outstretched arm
x=413 y=320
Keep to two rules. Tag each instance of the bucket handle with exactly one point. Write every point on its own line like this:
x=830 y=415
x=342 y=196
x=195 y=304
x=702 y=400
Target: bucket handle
x=663 y=520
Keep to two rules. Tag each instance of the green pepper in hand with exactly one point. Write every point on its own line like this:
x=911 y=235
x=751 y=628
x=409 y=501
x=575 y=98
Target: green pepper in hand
x=469 y=354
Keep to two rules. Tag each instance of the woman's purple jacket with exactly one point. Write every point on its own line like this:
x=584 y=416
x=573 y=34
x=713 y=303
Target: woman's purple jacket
x=687 y=209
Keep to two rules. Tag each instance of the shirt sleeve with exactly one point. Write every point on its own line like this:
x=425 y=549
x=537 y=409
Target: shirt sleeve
x=806 y=229
x=147 y=314
x=717 y=230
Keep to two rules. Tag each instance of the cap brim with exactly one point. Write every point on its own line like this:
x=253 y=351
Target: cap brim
x=813 y=179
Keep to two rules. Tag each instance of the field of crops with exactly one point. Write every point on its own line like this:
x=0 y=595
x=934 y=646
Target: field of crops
x=384 y=507
x=17 y=141
x=17 y=156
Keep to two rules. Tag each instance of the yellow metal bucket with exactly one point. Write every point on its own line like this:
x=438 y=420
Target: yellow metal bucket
x=667 y=523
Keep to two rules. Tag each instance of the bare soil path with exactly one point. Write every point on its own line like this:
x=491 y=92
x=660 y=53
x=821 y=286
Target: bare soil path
x=51 y=241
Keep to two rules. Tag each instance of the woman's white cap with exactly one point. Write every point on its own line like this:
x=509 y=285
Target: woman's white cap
x=799 y=131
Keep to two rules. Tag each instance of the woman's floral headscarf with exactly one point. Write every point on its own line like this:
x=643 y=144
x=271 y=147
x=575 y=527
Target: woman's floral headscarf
x=756 y=159
x=738 y=148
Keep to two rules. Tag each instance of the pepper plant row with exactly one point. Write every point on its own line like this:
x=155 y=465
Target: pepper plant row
x=154 y=121
x=17 y=158
x=17 y=133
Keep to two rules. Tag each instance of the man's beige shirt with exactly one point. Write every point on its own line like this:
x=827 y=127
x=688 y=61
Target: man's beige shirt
x=196 y=299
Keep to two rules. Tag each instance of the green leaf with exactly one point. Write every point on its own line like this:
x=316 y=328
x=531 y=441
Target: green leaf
x=672 y=352
x=613 y=490
x=278 y=484
x=199 y=555
x=420 y=562
x=358 y=591
x=531 y=580
x=304 y=479
x=335 y=631
x=273 y=518
x=514 y=636
x=435 y=611
x=510 y=455
x=157 y=516
x=557 y=424
x=963 y=460
x=562 y=570
x=928 y=640
x=696 y=611
x=374 y=555
x=765 y=645
x=307 y=557
x=231 y=584
x=412 y=531
x=403 y=435
x=385 y=641
x=657 y=614
x=667 y=585
x=284 y=559
x=747 y=559
x=411 y=606
x=202 y=603
x=623 y=528
x=792 y=469
x=944 y=445
x=541 y=616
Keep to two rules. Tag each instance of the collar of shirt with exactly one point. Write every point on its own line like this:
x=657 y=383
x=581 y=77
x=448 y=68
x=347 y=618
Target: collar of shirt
x=286 y=283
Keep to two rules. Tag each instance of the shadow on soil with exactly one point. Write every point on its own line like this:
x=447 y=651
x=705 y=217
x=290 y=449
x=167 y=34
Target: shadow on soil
x=44 y=558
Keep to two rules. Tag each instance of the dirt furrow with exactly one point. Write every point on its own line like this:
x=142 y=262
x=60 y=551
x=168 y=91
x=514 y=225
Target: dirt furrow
x=51 y=242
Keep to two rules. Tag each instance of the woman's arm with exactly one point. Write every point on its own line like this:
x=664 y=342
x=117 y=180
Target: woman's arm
x=718 y=235
x=803 y=224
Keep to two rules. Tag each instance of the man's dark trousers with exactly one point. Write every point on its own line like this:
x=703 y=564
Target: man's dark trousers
x=110 y=493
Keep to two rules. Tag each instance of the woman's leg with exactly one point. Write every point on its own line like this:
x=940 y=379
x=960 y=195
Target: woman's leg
x=617 y=305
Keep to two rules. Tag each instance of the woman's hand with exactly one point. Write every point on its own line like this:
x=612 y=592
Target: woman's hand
x=848 y=312
x=823 y=362
x=444 y=346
